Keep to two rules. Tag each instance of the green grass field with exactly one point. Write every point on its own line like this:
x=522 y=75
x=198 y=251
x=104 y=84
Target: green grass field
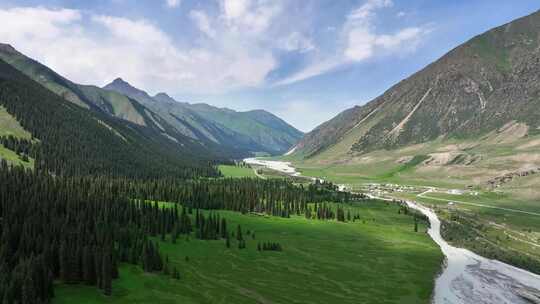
x=512 y=233
x=12 y=158
x=379 y=259
x=234 y=171
x=10 y=126
x=381 y=172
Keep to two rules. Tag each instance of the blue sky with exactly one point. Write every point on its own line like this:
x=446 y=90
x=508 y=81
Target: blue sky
x=304 y=60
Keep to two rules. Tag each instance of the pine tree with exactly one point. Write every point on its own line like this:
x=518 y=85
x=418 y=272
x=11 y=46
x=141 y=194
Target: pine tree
x=239 y=233
x=107 y=274
x=175 y=233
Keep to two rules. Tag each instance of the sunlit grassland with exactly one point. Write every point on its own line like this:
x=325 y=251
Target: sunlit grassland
x=235 y=171
x=379 y=259
x=12 y=158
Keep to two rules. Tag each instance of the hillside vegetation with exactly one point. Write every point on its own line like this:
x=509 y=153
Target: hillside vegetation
x=479 y=87
x=76 y=141
x=343 y=262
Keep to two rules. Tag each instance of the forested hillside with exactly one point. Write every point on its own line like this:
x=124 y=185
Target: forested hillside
x=129 y=111
x=78 y=230
x=90 y=202
x=72 y=141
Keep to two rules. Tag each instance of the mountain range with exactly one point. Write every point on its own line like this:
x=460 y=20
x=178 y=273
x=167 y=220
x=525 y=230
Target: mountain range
x=221 y=133
x=257 y=130
x=58 y=136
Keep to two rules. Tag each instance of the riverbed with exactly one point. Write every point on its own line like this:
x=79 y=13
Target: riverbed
x=467 y=278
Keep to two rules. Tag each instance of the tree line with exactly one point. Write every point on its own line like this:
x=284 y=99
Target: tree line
x=277 y=197
x=79 y=229
x=25 y=148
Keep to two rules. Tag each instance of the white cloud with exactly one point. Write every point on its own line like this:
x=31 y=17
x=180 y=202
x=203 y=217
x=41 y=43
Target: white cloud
x=297 y=42
x=235 y=8
x=367 y=10
x=360 y=40
x=236 y=48
x=35 y=22
x=94 y=49
x=363 y=41
x=173 y=3
x=360 y=44
x=203 y=22
x=249 y=17
x=410 y=35
x=312 y=70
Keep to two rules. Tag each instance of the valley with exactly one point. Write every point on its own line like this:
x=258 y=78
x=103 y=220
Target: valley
x=269 y=152
x=506 y=215
x=341 y=261
x=468 y=277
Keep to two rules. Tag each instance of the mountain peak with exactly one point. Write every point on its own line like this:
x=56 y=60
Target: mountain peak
x=123 y=87
x=120 y=84
x=164 y=97
x=162 y=94
x=120 y=81
x=7 y=48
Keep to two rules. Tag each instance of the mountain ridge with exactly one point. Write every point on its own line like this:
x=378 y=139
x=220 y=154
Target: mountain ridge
x=255 y=130
x=72 y=140
x=136 y=106
x=474 y=89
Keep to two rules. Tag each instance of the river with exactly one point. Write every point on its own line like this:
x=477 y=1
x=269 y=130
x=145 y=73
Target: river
x=467 y=278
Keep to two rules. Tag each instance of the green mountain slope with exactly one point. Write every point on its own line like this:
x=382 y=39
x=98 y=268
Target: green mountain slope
x=127 y=110
x=253 y=131
x=9 y=126
x=489 y=84
x=85 y=96
x=77 y=141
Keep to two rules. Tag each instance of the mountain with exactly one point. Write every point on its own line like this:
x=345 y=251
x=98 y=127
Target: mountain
x=119 y=85
x=488 y=87
x=112 y=103
x=253 y=131
x=66 y=139
x=82 y=95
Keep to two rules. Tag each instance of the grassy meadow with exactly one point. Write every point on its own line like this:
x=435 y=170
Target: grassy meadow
x=235 y=171
x=9 y=126
x=12 y=158
x=378 y=259
x=455 y=164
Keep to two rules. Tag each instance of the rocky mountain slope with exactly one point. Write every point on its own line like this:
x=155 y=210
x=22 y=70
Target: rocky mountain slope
x=490 y=84
x=255 y=131
x=163 y=116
